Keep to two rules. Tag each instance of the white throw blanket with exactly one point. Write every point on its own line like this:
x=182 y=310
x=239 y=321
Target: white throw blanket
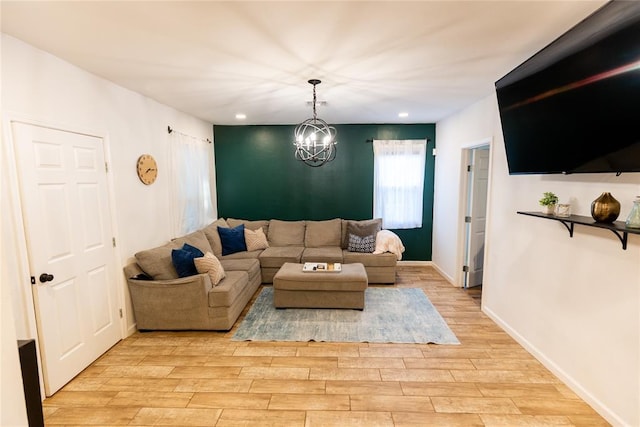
x=388 y=241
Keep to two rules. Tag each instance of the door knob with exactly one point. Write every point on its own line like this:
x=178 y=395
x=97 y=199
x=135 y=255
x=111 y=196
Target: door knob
x=44 y=277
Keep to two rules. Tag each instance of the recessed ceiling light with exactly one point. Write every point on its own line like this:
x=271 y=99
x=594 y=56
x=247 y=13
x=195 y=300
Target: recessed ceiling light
x=241 y=116
x=403 y=114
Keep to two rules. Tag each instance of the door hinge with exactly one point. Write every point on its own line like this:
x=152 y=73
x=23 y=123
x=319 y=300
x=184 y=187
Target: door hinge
x=106 y=167
x=465 y=268
x=433 y=152
x=120 y=313
x=113 y=241
x=468 y=168
x=33 y=280
x=467 y=219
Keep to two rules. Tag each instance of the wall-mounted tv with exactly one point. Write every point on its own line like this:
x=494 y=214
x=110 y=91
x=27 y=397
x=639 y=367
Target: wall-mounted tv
x=574 y=107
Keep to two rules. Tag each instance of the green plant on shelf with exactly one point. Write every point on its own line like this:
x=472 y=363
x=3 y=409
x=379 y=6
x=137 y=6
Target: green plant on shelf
x=548 y=199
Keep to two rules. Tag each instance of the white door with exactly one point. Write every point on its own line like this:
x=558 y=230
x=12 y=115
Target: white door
x=476 y=214
x=65 y=205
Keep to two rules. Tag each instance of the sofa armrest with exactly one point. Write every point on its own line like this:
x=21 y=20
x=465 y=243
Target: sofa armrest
x=170 y=304
x=200 y=280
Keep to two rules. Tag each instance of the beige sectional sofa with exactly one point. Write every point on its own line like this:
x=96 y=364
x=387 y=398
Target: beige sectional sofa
x=163 y=300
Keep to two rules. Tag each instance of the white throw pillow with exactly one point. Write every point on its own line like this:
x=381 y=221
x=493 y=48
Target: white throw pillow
x=255 y=239
x=210 y=264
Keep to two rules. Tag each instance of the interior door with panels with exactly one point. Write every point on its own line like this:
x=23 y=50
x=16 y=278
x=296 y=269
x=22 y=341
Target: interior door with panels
x=477 y=215
x=65 y=205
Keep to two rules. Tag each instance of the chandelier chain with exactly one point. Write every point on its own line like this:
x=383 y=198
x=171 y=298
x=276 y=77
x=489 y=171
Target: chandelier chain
x=314 y=102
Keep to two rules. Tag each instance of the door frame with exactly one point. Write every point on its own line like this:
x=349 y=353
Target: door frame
x=465 y=157
x=24 y=289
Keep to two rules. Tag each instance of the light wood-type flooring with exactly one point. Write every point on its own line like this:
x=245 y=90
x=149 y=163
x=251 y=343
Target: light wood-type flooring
x=205 y=379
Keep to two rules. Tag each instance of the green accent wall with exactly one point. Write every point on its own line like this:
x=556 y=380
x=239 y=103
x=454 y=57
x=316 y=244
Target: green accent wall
x=258 y=177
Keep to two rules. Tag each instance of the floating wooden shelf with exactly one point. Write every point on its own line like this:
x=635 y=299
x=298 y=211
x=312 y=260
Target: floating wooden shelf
x=618 y=228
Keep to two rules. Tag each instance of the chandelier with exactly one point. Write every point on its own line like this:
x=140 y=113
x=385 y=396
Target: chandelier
x=315 y=140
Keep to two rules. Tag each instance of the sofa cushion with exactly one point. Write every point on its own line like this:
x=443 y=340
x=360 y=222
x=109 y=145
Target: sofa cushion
x=196 y=239
x=365 y=244
x=255 y=239
x=323 y=233
x=251 y=225
x=211 y=265
x=228 y=289
x=232 y=239
x=386 y=259
x=242 y=255
x=286 y=233
x=157 y=262
x=327 y=254
x=250 y=266
x=211 y=232
x=275 y=256
x=182 y=260
x=359 y=228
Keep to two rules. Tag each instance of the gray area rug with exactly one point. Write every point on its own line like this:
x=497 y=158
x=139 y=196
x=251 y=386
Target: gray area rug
x=391 y=315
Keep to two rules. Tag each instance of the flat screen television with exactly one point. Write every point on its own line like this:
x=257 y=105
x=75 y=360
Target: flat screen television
x=574 y=107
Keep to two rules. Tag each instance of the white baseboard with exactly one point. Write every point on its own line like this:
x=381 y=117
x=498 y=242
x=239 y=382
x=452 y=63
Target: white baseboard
x=132 y=330
x=448 y=278
x=429 y=264
x=575 y=386
x=415 y=263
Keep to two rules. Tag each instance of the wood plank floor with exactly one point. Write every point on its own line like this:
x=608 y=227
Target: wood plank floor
x=205 y=379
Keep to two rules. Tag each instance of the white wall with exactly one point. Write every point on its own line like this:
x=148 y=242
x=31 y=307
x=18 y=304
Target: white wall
x=40 y=88
x=573 y=302
x=12 y=402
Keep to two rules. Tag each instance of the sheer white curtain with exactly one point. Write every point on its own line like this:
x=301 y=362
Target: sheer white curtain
x=398 y=182
x=191 y=187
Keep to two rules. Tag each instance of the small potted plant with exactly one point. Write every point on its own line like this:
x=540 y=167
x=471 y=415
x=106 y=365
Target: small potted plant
x=548 y=202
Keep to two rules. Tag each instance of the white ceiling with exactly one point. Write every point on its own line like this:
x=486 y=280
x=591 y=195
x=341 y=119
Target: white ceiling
x=375 y=59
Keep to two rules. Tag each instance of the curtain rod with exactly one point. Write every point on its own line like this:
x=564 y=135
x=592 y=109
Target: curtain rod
x=371 y=140
x=169 y=130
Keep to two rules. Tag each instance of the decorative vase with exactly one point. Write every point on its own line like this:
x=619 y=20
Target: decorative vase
x=605 y=208
x=549 y=209
x=563 y=210
x=633 y=220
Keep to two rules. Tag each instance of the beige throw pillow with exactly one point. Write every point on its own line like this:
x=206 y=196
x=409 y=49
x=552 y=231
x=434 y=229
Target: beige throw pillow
x=210 y=264
x=255 y=239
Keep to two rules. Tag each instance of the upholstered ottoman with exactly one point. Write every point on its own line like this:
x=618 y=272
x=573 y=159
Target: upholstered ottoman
x=294 y=288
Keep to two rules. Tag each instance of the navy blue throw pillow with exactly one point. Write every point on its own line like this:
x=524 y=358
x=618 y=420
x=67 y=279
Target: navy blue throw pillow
x=183 y=260
x=197 y=252
x=232 y=239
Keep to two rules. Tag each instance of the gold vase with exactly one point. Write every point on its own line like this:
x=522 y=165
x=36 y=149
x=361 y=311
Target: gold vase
x=605 y=208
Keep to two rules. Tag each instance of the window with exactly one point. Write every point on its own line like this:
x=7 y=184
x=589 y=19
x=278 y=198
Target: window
x=398 y=182
x=191 y=183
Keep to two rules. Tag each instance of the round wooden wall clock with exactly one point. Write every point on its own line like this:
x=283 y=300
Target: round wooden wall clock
x=147 y=169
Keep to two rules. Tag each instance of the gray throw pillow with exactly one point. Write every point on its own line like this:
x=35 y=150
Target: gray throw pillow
x=361 y=229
